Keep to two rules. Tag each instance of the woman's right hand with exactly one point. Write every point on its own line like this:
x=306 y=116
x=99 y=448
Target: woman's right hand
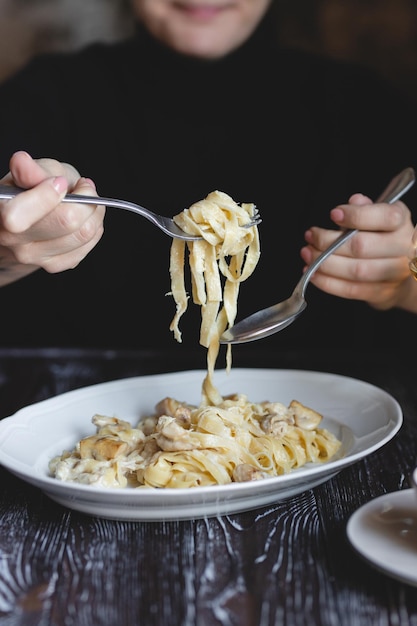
x=36 y=229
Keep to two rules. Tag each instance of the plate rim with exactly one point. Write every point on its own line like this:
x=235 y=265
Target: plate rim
x=364 y=550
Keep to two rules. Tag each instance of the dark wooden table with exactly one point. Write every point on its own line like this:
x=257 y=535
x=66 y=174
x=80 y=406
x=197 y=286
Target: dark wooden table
x=287 y=564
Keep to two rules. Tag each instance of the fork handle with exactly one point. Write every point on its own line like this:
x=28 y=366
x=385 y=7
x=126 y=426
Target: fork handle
x=7 y=193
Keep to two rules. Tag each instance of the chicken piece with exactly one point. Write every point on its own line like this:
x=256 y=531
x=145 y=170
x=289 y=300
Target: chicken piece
x=102 y=448
x=149 y=449
x=275 y=408
x=304 y=416
x=245 y=472
x=274 y=425
x=172 y=436
x=180 y=411
x=183 y=415
x=167 y=406
x=277 y=420
x=101 y=421
x=148 y=425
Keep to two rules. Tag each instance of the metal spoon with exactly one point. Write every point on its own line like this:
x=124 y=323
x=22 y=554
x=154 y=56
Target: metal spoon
x=274 y=318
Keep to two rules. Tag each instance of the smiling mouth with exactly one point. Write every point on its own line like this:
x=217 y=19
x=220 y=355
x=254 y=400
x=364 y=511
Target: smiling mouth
x=200 y=12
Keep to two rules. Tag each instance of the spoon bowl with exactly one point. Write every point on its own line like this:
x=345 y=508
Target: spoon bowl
x=278 y=316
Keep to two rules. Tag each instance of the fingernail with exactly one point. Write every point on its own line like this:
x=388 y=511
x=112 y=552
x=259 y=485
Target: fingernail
x=305 y=254
x=23 y=152
x=60 y=184
x=337 y=215
x=90 y=182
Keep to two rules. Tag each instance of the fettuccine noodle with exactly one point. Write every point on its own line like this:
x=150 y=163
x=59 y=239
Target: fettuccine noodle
x=227 y=253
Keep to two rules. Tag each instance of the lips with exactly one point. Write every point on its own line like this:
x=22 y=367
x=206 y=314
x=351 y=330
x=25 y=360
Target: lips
x=200 y=12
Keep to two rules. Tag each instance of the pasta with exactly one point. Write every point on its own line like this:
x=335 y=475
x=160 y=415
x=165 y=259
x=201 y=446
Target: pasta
x=226 y=251
x=188 y=446
x=223 y=439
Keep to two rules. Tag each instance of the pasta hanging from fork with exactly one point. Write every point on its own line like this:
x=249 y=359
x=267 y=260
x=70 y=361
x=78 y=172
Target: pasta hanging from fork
x=226 y=255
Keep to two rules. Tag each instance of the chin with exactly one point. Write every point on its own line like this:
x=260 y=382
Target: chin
x=201 y=48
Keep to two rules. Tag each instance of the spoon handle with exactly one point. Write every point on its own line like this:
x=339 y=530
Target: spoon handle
x=398 y=186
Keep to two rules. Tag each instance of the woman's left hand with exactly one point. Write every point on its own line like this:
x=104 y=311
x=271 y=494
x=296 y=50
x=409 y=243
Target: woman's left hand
x=371 y=266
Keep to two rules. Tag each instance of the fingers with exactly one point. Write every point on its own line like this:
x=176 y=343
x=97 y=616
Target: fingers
x=355 y=269
x=376 y=281
x=58 y=242
x=59 y=254
x=27 y=172
x=363 y=214
x=363 y=245
x=385 y=230
x=371 y=266
x=380 y=295
x=23 y=211
x=37 y=213
x=36 y=228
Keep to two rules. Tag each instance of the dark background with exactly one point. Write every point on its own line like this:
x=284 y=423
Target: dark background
x=379 y=33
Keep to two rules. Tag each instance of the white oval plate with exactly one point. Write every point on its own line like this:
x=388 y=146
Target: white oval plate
x=384 y=532
x=363 y=416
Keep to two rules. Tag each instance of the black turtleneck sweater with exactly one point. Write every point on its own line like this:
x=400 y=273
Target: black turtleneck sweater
x=293 y=133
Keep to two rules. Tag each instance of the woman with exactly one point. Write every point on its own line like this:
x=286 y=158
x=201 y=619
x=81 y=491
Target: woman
x=201 y=98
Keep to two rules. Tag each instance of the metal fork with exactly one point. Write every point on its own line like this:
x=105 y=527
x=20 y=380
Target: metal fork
x=166 y=224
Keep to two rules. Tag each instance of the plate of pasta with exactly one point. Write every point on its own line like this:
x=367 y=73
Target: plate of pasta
x=146 y=449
